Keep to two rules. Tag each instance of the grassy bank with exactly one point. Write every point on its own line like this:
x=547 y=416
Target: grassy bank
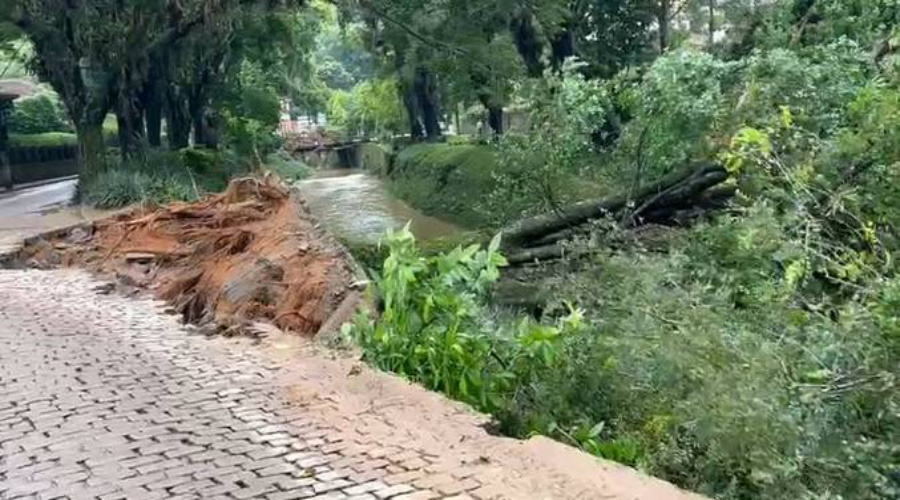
x=469 y=185
x=445 y=181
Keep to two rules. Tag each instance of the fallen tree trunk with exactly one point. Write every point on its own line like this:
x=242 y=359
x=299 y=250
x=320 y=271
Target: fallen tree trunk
x=676 y=191
x=528 y=255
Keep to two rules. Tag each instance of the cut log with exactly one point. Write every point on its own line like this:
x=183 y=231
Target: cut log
x=679 y=188
x=530 y=255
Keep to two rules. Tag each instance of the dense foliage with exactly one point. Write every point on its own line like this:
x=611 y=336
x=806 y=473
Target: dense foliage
x=751 y=355
x=748 y=352
x=433 y=327
x=38 y=115
x=369 y=109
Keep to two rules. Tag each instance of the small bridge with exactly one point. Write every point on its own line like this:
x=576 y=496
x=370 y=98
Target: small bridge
x=342 y=154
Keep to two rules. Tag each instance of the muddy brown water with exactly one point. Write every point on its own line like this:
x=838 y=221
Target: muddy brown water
x=355 y=205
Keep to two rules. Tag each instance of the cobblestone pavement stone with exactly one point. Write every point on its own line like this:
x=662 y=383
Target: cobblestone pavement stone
x=105 y=397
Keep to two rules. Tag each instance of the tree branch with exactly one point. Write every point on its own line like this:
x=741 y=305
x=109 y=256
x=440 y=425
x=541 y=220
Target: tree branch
x=408 y=29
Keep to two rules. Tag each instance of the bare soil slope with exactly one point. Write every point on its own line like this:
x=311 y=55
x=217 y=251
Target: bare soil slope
x=250 y=253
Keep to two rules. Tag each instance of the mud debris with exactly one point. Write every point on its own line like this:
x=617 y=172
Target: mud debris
x=252 y=253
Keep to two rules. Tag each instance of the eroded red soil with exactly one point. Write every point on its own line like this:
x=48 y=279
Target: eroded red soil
x=251 y=253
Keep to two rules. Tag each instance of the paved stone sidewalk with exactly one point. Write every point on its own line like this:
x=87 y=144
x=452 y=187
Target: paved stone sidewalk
x=105 y=397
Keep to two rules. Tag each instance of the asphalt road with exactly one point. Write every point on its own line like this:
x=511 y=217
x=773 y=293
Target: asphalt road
x=35 y=202
x=34 y=210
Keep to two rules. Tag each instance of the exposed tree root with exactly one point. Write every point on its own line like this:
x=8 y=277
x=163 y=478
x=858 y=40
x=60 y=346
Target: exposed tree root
x=249 y=253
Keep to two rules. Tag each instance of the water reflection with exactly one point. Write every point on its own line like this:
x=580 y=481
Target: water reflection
x=356 y=206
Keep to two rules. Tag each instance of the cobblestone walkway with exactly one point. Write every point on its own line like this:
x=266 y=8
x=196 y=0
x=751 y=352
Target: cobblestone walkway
x=105 y=397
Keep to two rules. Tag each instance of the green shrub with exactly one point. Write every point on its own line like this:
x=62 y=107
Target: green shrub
x=767 y=400
x=38 y=115
x=45 y=139
x=433 y=326
x=462 y=140
x=121 y=187
x=549 y=165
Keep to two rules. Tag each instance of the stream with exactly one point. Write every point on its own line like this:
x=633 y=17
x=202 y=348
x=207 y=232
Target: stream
x=356 y=206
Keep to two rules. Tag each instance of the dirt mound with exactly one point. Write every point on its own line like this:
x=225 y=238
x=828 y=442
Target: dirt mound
x=250 y=253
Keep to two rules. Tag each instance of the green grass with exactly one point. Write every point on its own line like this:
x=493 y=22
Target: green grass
x=445 y=181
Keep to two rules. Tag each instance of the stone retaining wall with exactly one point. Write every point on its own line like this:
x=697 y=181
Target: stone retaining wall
x=32 y=164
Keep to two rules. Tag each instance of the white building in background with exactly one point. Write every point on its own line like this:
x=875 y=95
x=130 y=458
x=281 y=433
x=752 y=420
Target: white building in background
x=293 y=124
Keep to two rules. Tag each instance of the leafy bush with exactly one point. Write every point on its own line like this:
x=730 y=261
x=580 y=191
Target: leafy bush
x=763 y=398
x=758 y=357
x=38 y=115
x=433 y=326
x=45 y=139
x=121 y=187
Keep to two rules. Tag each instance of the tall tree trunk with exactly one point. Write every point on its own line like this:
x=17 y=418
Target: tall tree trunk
x=528 y=44
x=205 y=128
x=712 y=24
x=663 y=18
x=132 y=131
x=495 y=113
x=154 y=123
x=495 y=119
x=178 y=123
x=201 y=118
x=212 y=128
x=408 y=95
x=152 y=103
x=416 y=130
x=88 y=110
x=563 y=46
x=91 y=148
x=426 y=94
x=198 y=124
x=152 y=98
